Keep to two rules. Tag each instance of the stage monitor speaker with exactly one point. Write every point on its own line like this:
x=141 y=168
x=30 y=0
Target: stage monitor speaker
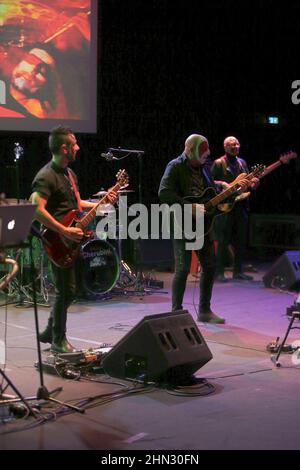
x=285 y=272
x=162 y=347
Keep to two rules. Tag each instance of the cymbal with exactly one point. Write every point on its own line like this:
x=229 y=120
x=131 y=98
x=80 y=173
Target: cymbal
x=105 y=211
x=100 y=193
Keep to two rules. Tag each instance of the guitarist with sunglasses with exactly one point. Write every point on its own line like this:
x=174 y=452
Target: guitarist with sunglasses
x=56 y=193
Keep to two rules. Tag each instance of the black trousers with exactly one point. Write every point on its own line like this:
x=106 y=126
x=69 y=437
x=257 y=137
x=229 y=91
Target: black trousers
x=207 y=260
x=64 y=283
x=232 y=229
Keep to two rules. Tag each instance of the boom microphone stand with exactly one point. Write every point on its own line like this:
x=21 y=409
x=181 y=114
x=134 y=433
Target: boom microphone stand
x=139 y=288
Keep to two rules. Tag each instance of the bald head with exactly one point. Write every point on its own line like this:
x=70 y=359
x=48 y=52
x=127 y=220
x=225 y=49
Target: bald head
x=197 y=148
x=232 y=146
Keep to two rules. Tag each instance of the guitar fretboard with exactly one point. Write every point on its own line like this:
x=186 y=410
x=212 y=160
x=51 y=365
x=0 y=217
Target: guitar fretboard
x=223 y=195
x=93 y=212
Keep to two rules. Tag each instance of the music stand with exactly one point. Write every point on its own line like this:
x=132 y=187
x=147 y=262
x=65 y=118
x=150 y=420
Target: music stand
x=15 y=224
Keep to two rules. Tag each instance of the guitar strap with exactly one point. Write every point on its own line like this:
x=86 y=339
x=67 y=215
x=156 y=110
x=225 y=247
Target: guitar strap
x=76 y=192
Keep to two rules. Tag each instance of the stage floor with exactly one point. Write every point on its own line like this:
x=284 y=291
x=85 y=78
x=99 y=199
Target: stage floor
x=254 y=405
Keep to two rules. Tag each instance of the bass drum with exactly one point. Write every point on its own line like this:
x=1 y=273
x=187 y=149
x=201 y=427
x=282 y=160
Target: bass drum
x=101 y=266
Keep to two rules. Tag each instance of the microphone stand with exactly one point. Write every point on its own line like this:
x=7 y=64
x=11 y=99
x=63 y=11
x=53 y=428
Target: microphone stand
x=139 y=287
x=138 y=252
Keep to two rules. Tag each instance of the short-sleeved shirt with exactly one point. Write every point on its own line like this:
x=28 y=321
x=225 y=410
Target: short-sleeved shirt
x=53 y=183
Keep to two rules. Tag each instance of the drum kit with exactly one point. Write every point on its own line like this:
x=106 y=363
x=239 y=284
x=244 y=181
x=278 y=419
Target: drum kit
x=101 y=263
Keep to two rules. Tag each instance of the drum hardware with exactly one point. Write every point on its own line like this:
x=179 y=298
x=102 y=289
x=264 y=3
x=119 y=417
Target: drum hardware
x=100 y=193
x=22 y=287
x=20 y=290
x=127 y=276
x=126 y=191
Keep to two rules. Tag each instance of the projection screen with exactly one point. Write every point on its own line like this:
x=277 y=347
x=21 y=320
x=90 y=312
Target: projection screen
x=48 y=65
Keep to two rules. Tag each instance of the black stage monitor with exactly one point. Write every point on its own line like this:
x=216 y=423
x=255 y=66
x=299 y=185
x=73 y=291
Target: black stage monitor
x=161 y=347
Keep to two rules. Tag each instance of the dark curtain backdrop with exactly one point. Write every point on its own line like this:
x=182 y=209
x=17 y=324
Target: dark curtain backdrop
x=168 y=69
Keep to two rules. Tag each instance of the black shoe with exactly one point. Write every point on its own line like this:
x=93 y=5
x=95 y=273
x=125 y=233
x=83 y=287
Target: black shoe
x=62 y=346
x=221 y=278
x=209 y=317
x=46 y=335
x=242 y=277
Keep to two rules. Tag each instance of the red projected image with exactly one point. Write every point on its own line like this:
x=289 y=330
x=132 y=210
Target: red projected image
x=45 y=60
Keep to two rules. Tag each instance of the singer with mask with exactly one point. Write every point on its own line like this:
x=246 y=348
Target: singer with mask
x=56 y=192
x=187 y=175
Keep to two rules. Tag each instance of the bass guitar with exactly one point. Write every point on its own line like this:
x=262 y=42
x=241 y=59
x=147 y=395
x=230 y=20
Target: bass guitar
x=283 y=160
x=213 y=202
x=62 y=251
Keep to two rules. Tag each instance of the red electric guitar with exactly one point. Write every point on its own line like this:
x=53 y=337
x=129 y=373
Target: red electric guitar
x=62 y=251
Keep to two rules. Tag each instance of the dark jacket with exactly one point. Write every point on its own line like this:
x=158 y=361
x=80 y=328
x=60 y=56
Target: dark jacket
x=176 y=182
x=221 y=170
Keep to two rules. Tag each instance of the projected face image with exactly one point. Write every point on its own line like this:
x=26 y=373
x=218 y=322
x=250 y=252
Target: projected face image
x=45 y=61
x=36 y=86
x=32 y=73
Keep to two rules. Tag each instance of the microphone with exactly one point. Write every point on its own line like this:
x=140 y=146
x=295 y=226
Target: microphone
x=108 y=156
x=120 y=150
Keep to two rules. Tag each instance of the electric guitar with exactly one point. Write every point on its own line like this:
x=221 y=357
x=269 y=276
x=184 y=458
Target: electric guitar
x=213 y=202
x=62 y=251
x=283 y=160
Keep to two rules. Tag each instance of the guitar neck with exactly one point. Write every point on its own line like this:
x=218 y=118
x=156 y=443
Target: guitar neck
x=223 y=195
x=235 y=187
x=93 y=212
x=266 y=171
x=271 y=167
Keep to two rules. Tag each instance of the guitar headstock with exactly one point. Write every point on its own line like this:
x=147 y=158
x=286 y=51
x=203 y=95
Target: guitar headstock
x=258 y=170
x=122 y=178
x=286 y=157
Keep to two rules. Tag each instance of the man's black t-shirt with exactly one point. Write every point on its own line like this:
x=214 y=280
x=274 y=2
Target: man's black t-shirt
x=53 y=183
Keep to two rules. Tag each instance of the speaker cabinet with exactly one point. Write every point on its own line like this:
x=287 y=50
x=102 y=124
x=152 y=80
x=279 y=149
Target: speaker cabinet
x=161 y=347
x=285 y=272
